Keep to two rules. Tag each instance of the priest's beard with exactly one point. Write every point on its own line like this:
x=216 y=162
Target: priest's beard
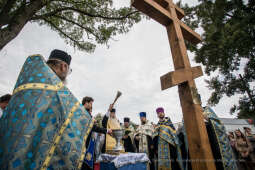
x=143 y=122
x=65 y=81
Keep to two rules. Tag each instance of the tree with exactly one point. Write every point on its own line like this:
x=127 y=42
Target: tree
x=98 y=119
x=228 y=48
x=81 y=23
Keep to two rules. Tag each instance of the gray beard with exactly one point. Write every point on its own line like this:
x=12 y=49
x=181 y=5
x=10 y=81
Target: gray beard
x=65 y=81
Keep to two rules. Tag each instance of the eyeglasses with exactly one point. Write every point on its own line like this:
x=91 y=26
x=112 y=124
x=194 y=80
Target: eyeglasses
x=69 y=70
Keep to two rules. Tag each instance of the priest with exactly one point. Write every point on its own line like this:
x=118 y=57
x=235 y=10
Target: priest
x=219 y=141
x=88 y=163
x=128 y=135
x=143 y=139
x=110 y=121
x=166 y=144
x=44 y=126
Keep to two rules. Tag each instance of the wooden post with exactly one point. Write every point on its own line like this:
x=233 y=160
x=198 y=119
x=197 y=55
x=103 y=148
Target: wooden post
x=169 y=15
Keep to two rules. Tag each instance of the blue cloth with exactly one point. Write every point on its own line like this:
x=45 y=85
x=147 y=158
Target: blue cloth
x=226 y=152
x=42 y=120
x=107 y=166
x=136 y=166
x=89 y=155
x=167 y=136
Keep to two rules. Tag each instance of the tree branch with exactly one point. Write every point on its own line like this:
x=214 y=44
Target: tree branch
x=18 y=21
x=81 y=12
x=7 y=7
x=58 y=29
x=75 y=23
x=247 y=89
x=4 y=17
x=231 y=16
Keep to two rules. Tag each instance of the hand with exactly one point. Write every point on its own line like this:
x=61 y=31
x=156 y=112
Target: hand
x=110 y=107
x=246 y=154
x=109 y=131
x=137 y=137
x=125 y=136
x=152 y=147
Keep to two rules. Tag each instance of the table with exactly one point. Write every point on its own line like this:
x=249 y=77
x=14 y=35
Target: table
x=124 y=161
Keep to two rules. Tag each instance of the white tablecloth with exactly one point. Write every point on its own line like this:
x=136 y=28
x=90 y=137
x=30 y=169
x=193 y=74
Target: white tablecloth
x=124 y=158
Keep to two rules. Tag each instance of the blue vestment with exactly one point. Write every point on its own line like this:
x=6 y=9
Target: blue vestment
x=44 y=126
x=168 y=144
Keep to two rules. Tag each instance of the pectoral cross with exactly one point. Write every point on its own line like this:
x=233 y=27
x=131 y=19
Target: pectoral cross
x=168 y=14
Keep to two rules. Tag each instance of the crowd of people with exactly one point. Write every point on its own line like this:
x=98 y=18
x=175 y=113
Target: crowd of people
x=45 y=126
x=143 y=139
x=243 y=145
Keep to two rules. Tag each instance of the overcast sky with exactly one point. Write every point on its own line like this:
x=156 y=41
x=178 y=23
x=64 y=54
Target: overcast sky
x=133 y=65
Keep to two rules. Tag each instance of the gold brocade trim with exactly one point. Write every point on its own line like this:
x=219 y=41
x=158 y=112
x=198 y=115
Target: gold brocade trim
x=84 y=145
x=58 y=136
x=170 y=163
x=168 y=127
x=110 y=142
x=218 y=140
x=160 y=167
x=167 y=135
x=39 y=86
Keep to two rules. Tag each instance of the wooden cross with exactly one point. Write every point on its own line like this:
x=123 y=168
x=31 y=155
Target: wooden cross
x=168 y=14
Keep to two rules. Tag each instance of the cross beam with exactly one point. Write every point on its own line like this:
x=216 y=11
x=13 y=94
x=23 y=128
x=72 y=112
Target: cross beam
x=164 y=4
x=179 y=76
x=159 y=13
x=169 y=15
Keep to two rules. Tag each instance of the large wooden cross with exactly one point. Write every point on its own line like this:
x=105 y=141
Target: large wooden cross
x=168 y=14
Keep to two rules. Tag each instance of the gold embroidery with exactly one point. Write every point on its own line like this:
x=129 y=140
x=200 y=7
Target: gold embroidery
x=58 y=136
x=84 y=145
x=39 y=86
x=88 y=156
x=168 y=127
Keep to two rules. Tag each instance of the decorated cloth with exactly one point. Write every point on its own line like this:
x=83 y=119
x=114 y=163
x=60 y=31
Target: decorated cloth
x=143 y=131
x=44 y=126
x=89 y=155
x=124 y=159
x=129 y=142
x=169 y=152
x=112 y=123
x=145 y=142
x=221 y=147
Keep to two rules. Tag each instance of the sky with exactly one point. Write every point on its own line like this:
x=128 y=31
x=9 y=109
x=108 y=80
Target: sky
x=132 y=64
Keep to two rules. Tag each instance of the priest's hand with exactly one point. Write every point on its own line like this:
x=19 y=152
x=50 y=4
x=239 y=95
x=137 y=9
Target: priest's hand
x=110 y=107
x=137 y=137
x=109 y=131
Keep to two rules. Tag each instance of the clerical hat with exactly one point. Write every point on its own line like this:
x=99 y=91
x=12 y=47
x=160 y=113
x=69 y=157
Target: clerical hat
x=142 y=114
x=60 y=55
x=126 y=119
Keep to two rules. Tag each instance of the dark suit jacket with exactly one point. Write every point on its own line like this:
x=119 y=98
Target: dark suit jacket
x=97 y=129
x=104 y=124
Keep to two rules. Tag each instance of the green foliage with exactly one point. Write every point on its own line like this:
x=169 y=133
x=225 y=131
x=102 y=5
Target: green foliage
x=81 y=23
x=228 y=48
x=98 y=119
x=134 y=125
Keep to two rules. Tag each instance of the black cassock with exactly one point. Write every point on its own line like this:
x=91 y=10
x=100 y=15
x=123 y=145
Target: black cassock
x=97 y=129
x=128 y=144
